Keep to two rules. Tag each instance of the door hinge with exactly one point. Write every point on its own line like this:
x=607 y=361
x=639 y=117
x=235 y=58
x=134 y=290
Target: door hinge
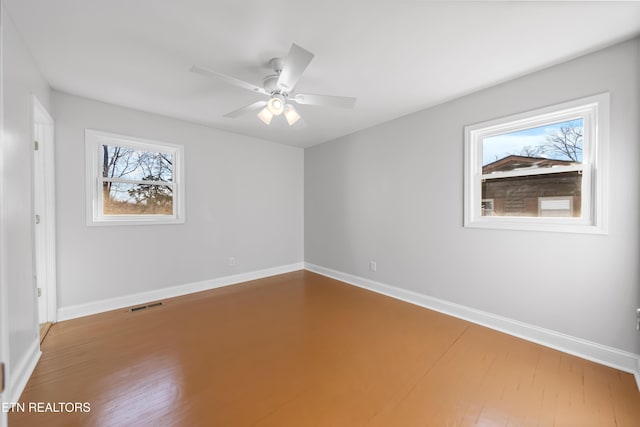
x=1 y=377
x=36 y=145
x=37 y=219
x=39 y=292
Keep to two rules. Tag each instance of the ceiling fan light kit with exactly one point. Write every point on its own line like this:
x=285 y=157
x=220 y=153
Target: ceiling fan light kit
x=276 y=104
x=265 y=115
x=291 y=114
x=279 y=87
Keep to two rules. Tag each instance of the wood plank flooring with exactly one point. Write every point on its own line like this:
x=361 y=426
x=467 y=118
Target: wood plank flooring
x=44 y=330
x=303 y=350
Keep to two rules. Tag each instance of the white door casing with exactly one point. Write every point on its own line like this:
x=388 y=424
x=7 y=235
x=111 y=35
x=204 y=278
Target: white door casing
x=4 y=317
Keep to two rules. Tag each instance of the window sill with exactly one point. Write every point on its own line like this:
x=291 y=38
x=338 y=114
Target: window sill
x=537 y=224
x=134 y=221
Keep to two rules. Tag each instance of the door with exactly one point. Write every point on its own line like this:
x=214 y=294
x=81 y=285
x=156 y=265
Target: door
x=43 y=213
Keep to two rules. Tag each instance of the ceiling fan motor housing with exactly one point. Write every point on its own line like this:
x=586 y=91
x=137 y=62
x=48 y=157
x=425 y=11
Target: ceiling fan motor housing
x=270 y=84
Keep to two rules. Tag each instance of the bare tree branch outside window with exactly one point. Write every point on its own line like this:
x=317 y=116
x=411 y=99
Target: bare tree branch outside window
x=562 y=143
x=565 y=143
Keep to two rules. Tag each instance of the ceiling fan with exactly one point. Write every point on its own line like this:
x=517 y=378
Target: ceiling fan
x=279 y=88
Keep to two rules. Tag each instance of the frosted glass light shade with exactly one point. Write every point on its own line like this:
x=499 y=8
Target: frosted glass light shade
x=291 y=114
x=276 y=105
x=265 y=115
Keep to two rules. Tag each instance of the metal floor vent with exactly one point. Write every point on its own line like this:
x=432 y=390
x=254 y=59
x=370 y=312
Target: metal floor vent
x=144 y=307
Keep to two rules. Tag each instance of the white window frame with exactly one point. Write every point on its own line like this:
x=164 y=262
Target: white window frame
x=94 y=139
x=594 y=110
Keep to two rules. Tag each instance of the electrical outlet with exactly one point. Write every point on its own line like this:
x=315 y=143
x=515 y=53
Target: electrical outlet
x=373 y=266
x=232 y=260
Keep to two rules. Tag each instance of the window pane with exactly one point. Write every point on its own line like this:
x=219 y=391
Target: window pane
x=129 y=163
x=137 y=199
x=546 y=195
x=543 y=146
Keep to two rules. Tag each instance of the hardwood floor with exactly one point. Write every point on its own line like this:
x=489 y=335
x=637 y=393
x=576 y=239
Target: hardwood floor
x=303 y=350
x=44 y=330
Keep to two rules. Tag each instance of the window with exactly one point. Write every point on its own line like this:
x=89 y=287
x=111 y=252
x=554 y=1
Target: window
x=132 y=180
x=541 y=170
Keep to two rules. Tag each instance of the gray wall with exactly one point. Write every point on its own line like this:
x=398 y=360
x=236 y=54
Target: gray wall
x=244 y=198
x=394 y=194
x=20 y=80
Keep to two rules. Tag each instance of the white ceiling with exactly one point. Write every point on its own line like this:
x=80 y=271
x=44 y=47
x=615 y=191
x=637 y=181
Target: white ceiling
x=396 y=57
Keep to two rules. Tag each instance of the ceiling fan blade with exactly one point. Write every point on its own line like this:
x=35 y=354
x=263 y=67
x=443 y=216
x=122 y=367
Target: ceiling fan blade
x=246 y=109
x=294 y=65
x=325 y=100
x=228 y=79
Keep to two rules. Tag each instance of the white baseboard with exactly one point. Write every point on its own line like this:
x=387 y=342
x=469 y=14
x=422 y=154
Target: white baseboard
x=22 y=370
x=608 y=356
x=80 y=310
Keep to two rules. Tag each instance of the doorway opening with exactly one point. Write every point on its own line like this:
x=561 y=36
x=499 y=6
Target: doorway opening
x=44 y=216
